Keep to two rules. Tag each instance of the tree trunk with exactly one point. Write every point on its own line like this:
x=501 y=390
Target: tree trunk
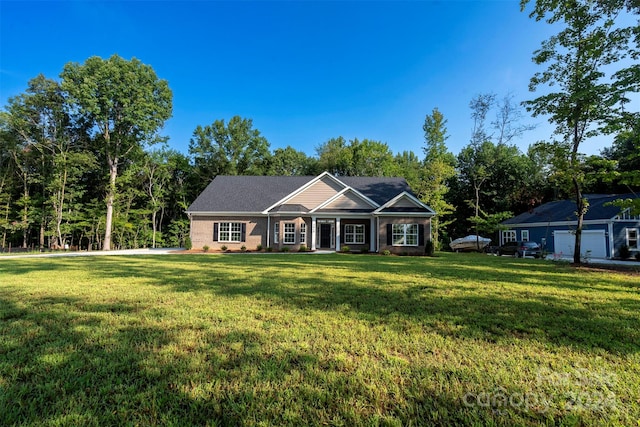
x=580 y=211
x=153 y=222
x=113 y=173
x=25 y=211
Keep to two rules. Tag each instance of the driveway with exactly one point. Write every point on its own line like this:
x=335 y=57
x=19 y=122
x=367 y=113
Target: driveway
x=148 y=251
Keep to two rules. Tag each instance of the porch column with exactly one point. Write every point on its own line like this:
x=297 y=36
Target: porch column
x=372 y=234
x=338 y=234
x=612 y=249
x=314 y=225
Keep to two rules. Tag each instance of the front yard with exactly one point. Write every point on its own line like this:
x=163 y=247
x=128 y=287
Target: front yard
x=316 y=340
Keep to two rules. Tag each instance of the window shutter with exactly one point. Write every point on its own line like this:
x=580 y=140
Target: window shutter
x=389 y=235
x=215 y=231
x=243 y=230
x=420 y=234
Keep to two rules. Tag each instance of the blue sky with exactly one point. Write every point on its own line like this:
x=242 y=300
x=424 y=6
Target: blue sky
x=303 y=71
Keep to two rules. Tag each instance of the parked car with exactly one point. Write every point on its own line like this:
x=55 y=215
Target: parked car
x=520 y=249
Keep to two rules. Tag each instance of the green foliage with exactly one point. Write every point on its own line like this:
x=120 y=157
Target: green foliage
x=124 y=105
x=345 y=249
x=438 y=170
x=233 y=148
x=223 y=248
x=205 y=248
x=386 y=252
x=187 y=243
x=624 y=252
x=243 y=248
x=285 y=249
x=429 y=248
x=303 y=248
x=356 y=158
x=259 y=248
x=269 y=249
x=578 y=97
x=289 y=162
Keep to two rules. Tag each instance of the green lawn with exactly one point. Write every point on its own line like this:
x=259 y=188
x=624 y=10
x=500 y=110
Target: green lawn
x=316 y=339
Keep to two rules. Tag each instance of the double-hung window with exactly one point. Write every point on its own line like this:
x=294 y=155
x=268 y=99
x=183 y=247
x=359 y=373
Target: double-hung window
x=303 y=233
x=632 y=238
x=525 y=235
x=405 y=235
x=509 y=236
x=289 y=237
x=230 y=232
x=276 y=232
x=354 y=234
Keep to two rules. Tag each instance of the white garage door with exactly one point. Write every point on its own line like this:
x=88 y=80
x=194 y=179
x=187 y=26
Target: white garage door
x=592 y=240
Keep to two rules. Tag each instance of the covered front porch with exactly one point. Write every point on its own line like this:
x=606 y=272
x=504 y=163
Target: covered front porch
x=333 y=233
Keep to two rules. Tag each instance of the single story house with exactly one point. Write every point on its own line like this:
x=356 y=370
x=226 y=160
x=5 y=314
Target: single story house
x=606 y=227
x=322 y=212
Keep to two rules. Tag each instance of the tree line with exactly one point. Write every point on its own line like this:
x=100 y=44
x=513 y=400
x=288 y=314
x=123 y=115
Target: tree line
x=83 y=162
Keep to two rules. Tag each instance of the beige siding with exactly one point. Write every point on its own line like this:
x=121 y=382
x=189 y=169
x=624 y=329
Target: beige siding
x=404 y=203
x=418 y=250
x=202 y=232
x=317 y=193
x=348 y=201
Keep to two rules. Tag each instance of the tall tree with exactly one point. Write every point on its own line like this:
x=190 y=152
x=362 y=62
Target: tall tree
x=580 y=101
x=289 y=161
x=439 y=168
x=334 y=156
x=125 y=104
x=44 y=125
x=233 y=148
x=370 y=158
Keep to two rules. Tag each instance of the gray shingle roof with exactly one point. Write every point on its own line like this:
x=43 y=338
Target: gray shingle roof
x=565 y=210
x=256 y=193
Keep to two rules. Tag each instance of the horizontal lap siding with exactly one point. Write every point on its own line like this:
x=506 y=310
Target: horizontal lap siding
x=316 y=194
x=538 y=233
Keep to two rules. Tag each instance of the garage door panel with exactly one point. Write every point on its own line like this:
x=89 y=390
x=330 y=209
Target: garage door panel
x=593 y=240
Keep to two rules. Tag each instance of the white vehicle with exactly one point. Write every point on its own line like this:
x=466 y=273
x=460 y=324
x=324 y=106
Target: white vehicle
x=469 y=243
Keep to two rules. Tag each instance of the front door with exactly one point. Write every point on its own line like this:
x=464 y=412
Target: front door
x=325 y=235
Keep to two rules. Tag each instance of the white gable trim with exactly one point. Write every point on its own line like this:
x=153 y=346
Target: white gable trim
x=303 y=188
x=404 y=194
x=559 y=223
x=340 y=194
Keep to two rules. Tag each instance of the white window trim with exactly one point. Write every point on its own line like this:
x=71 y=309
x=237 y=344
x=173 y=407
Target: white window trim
x=351 y=237
x=276 y=232
x=404 y=234
x=524 y=233
x=627 y=230
x=303 y=233
x=230 y=231
x=509 y=236
x=286 y=233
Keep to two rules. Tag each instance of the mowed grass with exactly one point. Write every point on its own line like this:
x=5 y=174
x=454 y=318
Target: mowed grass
x=316 y=340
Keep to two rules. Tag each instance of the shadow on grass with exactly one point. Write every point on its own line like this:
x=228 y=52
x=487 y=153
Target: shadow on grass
x=479 y=297
x=70 y=367
x=64 y=360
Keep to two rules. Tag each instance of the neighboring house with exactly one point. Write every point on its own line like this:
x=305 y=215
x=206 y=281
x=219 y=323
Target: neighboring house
x=322 y=212
x=553 y=225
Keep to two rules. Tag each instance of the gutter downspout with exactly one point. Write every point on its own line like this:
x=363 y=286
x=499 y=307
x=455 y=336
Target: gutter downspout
x=268 y=230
